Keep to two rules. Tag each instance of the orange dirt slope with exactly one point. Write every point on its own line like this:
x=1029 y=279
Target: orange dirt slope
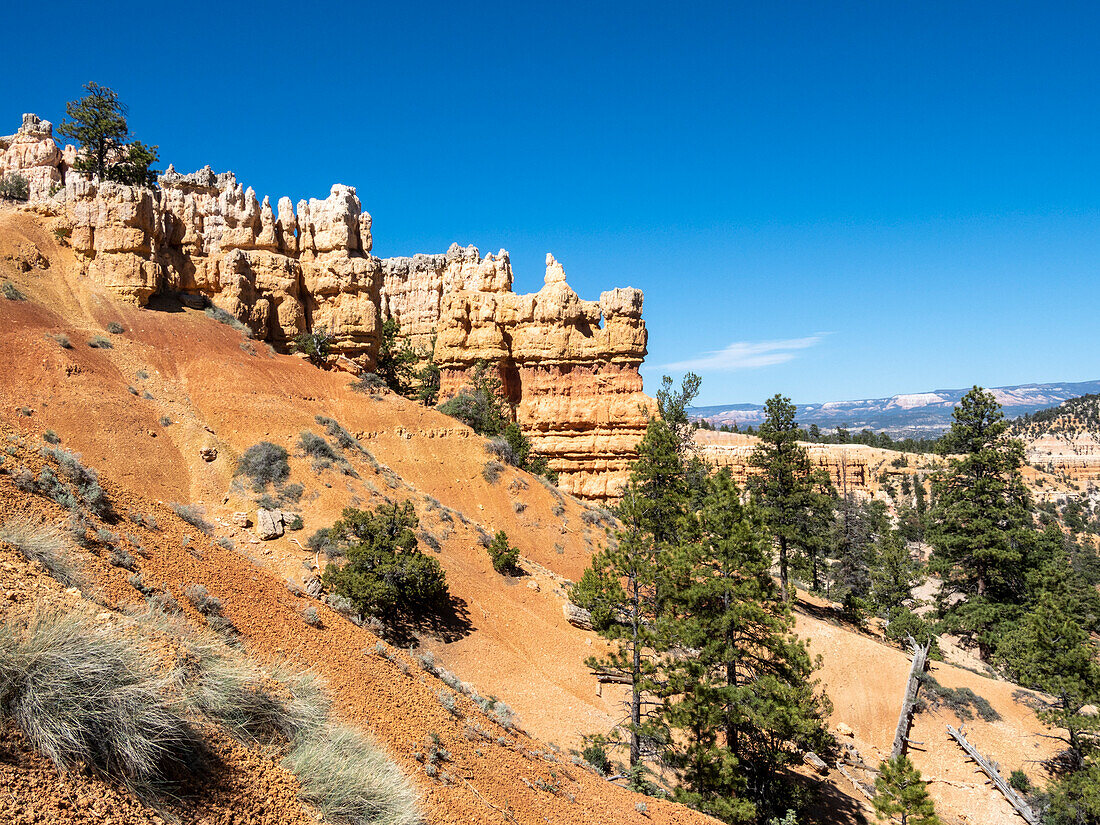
x=216 y=390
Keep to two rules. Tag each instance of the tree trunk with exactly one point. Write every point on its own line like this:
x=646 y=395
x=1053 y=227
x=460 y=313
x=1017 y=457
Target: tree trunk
x=636 y=691
x=783 y=568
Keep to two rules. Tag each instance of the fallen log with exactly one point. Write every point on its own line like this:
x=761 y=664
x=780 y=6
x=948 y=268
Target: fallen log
x=1014 y=799
x=605 y=677
x=859 y=786
x=909 y=699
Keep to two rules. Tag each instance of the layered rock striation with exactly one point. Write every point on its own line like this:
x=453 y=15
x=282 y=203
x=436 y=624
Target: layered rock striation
x=569 y=366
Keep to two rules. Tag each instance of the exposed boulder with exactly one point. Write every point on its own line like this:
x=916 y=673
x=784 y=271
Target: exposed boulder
x=269 y=524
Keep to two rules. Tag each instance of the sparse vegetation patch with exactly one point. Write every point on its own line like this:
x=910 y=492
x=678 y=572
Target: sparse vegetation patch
x=45 y=544
x=264 y=463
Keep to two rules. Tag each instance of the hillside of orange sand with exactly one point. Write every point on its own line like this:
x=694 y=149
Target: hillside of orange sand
x=865 y=677
x=507 y=636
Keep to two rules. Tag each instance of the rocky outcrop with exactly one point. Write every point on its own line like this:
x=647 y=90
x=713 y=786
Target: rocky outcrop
x=413 y=287
x=850 y=466
x=32 y=153
x=569 y=366
x=1073 y=455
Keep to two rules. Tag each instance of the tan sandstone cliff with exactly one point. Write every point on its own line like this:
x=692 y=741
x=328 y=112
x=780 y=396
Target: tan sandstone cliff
x=569 y=366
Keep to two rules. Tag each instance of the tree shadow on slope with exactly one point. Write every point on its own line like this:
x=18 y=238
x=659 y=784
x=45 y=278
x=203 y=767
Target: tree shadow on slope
x=831 y=804
x=448 y=623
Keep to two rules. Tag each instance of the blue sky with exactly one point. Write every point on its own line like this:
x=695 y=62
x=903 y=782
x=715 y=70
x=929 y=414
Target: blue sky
x=831 y=200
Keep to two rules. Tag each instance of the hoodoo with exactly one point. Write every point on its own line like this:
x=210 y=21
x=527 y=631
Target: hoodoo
x=568 y=366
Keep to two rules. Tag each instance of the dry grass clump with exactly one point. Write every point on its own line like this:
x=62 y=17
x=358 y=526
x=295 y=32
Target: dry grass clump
x=84 y=482
x=344 y=439
x=85 y=697
x=491 y=471
x=194 y=515
x=346 y=777
x=46 y=544
x=228 y=690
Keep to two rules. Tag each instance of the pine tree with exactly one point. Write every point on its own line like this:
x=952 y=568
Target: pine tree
x=1054 y=653
x=395 y=361
x=107 y=151
x=894 y=573
x=853 y=535
x=981 y=522
x=795 y=499
x=901 y=795
x=742 y=702
x=628 y=586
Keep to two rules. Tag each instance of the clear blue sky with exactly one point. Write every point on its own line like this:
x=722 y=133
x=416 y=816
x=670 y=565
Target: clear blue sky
x=845 y=199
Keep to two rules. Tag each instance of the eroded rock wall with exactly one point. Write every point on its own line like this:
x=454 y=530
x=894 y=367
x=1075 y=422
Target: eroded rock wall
x=569 y=366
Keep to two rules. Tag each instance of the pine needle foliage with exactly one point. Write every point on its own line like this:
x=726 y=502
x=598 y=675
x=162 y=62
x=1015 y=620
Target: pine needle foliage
x=796 y=499
x=981 y=527
x=385 y=569
x=97 y=122
x=743 y=703
x=901 y=795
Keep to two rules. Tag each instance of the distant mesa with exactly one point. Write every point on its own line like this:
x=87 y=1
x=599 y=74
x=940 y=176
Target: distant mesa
x=912 y=414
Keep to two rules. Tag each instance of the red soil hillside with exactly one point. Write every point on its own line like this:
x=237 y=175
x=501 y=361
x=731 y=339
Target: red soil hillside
x=215 y=389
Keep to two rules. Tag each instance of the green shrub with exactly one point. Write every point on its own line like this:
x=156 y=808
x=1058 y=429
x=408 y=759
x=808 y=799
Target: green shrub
x=596 y=755
x=14 y=187
x=324 y=541
x=294 y=522
x=904 y=623
x=121 y=557
x=11 y=292
x=85 y=697
x=50 y=437
x=63 y=341
x=963 y=701
x=202 y=601
x=369 y=383
x=344 y=439
x=165 y=421
x=45 y=544
x=264 y=463
x=504 y=557
x=311 y=617
x=513 y=447
x=385 y=569
x=99 y=342
x=316 y=345
x=290 y=493
x=115 y=328
x=348 y=779
x=1020 y=782
x=481 y=404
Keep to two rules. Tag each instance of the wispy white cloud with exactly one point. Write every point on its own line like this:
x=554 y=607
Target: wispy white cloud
x=747 y=355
